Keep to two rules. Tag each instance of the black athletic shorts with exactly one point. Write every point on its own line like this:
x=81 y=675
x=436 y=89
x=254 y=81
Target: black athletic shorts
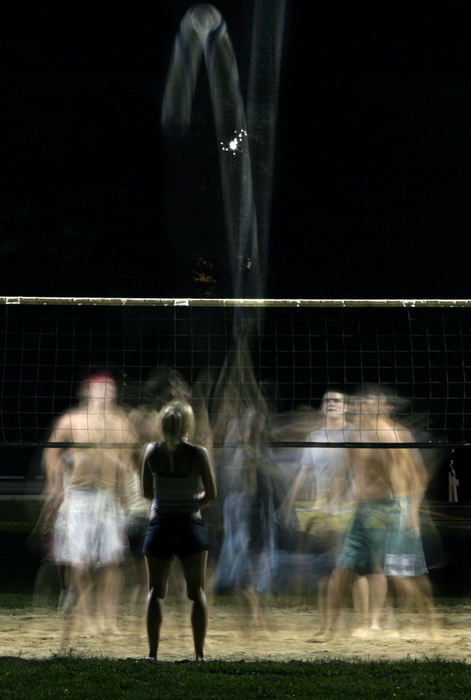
x=171 y=535
x=135 y=529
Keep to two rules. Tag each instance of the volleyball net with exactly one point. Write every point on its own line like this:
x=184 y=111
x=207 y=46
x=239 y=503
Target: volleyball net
x=420 y=350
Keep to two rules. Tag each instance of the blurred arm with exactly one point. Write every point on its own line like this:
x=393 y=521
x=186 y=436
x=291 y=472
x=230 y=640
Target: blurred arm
x=53 y=462
x=146 y=474
x=208 y=478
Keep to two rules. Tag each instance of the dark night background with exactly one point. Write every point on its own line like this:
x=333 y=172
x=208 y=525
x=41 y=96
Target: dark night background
x=372 y=173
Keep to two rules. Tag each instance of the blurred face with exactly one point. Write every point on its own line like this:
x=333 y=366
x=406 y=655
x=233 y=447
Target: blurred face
x=372 y=404
x=333 y=404
x=101 y=392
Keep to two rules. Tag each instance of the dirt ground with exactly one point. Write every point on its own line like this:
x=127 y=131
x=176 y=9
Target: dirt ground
x=281 y=633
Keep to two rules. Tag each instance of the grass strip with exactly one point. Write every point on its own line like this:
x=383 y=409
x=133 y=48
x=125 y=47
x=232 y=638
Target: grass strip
x=76 y=677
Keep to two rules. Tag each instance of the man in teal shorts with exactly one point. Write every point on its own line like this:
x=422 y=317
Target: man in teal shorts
x=384 y=480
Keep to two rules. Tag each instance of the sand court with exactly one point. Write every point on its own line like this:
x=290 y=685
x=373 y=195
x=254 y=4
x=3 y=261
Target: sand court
x=281 y=634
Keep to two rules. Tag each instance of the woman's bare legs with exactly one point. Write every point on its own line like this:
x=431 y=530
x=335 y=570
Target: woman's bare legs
x=194 y=571
x=158 y=571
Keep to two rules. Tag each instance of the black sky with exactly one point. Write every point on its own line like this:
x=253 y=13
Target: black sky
x=373 y=153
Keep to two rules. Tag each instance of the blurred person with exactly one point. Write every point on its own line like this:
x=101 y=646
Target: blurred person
x=136 y=511
x=86 y=484
x=323 y=484
x=145 y=419
x=389 y=484
x=321 y=499
x=405 y=563
x=248 y=480
x=164 y=384
x=246 y=558
x=404 y=558
x=174 y=471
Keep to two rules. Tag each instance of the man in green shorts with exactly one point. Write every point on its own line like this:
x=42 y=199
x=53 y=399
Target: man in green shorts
x=383 y=479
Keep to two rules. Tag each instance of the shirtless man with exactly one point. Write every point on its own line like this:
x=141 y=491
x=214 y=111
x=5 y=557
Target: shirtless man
x=86 y=484
x=389 y=484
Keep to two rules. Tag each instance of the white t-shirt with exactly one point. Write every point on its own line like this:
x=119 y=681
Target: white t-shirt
x=327 y=479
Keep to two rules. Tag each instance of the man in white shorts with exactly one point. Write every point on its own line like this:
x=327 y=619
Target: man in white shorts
x=87 y=484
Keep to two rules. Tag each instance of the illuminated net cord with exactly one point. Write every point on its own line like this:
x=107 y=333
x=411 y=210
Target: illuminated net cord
x=421 y=349
x=232 y=303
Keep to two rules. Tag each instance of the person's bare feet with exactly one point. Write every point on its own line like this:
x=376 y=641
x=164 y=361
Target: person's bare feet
x=151 y=659
x=325 y=636
x=362 y=632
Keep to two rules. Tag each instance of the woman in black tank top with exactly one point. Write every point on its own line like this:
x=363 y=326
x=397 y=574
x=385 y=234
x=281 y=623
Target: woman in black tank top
x=177 y=476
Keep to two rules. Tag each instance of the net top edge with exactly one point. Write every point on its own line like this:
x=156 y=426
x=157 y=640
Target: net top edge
x=229 y=302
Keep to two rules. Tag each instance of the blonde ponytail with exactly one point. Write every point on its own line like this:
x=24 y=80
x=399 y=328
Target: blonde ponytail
x=176 y=419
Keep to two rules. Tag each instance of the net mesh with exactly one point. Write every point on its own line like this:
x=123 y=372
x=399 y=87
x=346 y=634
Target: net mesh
x=419 y=350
